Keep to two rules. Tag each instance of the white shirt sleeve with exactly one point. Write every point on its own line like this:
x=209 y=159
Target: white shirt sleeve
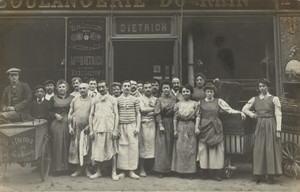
x=278 y=114
x=248 y=106
x=226 y=107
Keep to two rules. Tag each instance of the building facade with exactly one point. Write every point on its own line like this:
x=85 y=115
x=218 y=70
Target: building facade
x=234 y=40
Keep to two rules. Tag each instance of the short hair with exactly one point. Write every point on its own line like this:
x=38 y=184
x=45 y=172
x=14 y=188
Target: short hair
x=167 y=82
x=125 y=81
x=86 y=84
x=39 y=87
x=187 y=86
x=211 y=86
x=140 y=82
x=62 y=81
x=147 y=82
x=175 y=78
x=116 y=84
x=264 y=81
x=154 y=81
x=92 y=79
x=76 y=78
x=102 y=81
x=132 y=81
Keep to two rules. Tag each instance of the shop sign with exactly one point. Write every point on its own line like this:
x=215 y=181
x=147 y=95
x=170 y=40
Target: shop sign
x=143 y=26
x=289 y=4
x=137 y=4
x=86 y=48
x=18 y=147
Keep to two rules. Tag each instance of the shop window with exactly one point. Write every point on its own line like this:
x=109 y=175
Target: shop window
x=239 y=49
x=36 y=45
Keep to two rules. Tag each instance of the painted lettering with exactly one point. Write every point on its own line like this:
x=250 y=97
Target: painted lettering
x=179 y=4
x=139 y=3
x=86 y=3
x=101 y=3
x=15 y=3
x=70 y=3
x=163 y=27
x=30 y=4
x=122 y=28
x=3 y=4
x=113 y=3
x=44 y=4
x=165 y=3
x=56 y=4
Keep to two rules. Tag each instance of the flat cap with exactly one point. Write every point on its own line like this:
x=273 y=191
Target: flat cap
x=48 y=81
x=13 y=70
x=39 y=87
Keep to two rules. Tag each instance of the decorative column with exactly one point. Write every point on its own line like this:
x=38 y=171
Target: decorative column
x=190 y=50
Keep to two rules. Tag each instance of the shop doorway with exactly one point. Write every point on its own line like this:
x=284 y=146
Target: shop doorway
x=143 y=60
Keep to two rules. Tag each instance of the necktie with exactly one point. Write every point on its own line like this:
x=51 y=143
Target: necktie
x=39 y=100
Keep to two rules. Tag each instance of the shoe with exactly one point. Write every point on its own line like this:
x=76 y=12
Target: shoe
x=96 y=175
x=121 y=176
x=143 y=174
x=160 y=175
x=217 y=175
x=133 y=175
x=204 y=174
x=76 y=173
x=87 y=172
x=258 y=179
x=115 y=177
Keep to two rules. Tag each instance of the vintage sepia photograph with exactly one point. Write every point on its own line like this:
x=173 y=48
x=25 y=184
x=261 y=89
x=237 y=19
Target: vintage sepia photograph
x=149 y=95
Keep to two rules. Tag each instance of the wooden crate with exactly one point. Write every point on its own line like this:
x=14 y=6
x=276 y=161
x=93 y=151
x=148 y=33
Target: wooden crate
x=290 y=137
x=291 y=122
x=22 y=142
x=233 y=124
x=238 y=144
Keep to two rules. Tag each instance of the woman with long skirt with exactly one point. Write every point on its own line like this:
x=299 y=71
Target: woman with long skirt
x=186 y=122
x=60 y=105
x=164 y=111
x=267 y=155
x=211 y=139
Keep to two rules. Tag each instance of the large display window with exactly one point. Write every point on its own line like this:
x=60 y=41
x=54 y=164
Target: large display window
x=237 y=49
x=35 y=45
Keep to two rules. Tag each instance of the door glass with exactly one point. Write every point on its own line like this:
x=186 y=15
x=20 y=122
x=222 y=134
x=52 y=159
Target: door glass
x=142 y=61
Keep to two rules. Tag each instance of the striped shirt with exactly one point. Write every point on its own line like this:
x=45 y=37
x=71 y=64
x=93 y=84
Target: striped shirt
x=128 y=107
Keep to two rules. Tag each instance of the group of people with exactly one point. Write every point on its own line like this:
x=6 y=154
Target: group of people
x=177 y=126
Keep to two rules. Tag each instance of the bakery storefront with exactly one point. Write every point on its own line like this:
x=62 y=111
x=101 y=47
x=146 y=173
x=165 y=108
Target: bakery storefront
x=234 y=40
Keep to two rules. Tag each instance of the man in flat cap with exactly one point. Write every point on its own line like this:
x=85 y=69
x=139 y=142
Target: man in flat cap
x=49 y=88
x=15 y=99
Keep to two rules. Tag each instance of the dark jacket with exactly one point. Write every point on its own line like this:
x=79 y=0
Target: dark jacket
x=40 y=110
x=24 y=98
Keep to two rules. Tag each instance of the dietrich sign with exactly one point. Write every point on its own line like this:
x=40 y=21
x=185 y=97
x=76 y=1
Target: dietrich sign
x=143 y=26
x=135 y=4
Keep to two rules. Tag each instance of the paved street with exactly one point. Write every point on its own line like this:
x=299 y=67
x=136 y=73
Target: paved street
x=22 y=179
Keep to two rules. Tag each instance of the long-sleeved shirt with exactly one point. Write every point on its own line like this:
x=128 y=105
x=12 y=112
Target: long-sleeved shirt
x=277 y=108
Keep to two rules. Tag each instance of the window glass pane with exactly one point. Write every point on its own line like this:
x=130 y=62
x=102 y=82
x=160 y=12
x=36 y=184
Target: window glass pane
x=232 y=48
x=36 y=45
